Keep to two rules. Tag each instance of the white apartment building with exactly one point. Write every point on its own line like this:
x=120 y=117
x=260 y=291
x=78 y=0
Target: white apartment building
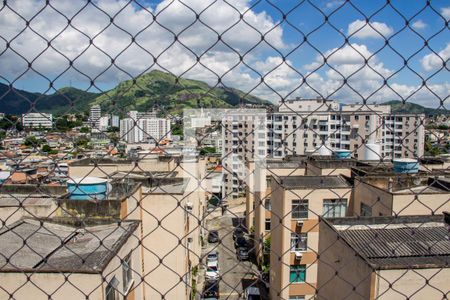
x=114 y=121
x=103 y=123
x=142 y=127
x=244 y=137
x=94 y=116
x=370 y=131
x=35 y=120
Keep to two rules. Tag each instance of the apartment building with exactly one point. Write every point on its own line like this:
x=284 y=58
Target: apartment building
x=400 y=194
x=96 y=261
x=403 y=136
x=35 y=120
x=95 y=113
x=244 y=138
x=170 y=233
x=258 y=196
x=144 y=127
x=297 y=203
x=370 y=132
x=395 y=257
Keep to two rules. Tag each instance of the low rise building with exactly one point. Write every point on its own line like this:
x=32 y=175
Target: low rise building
x=403 y=257
x=297 y=203
x=70 y=262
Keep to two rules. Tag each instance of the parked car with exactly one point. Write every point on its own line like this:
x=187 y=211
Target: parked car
x=240 y=242
x=212 y=256
x=238 y=232
x=213 y=236
x=251 y=293
x=242 y=253
x=211 y=290
x=212 y=271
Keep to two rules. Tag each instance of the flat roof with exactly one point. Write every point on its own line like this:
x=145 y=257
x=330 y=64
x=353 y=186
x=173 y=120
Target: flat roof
x=166 y=189
x=313 y=182
x=19 y=200
x=36 y=246
x=397 y=242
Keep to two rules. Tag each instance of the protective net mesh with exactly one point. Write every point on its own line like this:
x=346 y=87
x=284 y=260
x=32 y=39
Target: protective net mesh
x=226 y=149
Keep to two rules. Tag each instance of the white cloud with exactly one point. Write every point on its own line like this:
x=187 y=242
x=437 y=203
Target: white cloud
x=152 y=39
x=445 y=12
x=282 y=78
x=434 y=61
x=419 y=24
x=334 y=3
x=362 y=30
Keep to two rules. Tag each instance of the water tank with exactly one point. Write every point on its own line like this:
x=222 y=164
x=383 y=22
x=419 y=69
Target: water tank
x=406 y=166
x=323 y=150
x=87 y=188
x=343 y=154
x=372 y=152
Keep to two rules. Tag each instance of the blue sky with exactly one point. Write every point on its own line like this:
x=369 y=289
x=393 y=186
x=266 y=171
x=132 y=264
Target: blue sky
x=302 y=72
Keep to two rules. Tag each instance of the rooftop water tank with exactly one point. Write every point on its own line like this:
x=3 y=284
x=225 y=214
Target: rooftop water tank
x=343 y=154
x=87 y=188
x=406 y=166
x=323 y=150
x=372 y=152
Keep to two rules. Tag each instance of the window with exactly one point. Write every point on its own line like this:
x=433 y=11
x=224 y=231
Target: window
x=299 y=209
x=267 y=224
x=299 y=241
x=296 y=297
x=267 y=203
x=110 y=291
x=334 y=208
x=297 y=273
x=127 y=272
x=366 y=210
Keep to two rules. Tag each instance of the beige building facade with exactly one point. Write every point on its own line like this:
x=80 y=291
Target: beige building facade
x=297 y=204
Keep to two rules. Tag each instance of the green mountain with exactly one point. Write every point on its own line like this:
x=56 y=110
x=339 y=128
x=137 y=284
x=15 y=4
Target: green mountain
x=412 y=108
x=170 y=94
x=16 y=102
x=155 y=89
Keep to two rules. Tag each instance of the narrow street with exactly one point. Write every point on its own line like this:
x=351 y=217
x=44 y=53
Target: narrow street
x=235 y=275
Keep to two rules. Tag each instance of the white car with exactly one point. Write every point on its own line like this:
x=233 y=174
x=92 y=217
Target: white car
x=251 y=293
x=212 y=271
x=213 y=256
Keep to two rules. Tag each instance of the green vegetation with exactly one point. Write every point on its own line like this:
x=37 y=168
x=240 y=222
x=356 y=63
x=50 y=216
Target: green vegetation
x=206 y=150
x=155 y=89
x=171 y=95
x=439 y=127
x=10 y=122
x=63 y=124
x=412 y=108
x=32 y=141
x=63 y=101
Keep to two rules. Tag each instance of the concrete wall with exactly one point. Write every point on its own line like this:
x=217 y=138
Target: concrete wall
x=342 y=274
x=40 y=285
x=387 y=203
x=114 y=269
x=412 y=284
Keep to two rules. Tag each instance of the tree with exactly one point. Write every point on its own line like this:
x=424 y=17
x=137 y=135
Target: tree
x=46 y=148
x=32 y=141
x=85 y=130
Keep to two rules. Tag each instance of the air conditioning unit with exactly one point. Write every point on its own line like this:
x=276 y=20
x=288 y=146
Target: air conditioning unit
x=298 y=255
x=189 y=206
x=299 y=223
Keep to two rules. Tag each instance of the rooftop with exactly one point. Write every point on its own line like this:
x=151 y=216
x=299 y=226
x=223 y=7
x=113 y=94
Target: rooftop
x=313 y=182
x=397 y=242
x=35 y=246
